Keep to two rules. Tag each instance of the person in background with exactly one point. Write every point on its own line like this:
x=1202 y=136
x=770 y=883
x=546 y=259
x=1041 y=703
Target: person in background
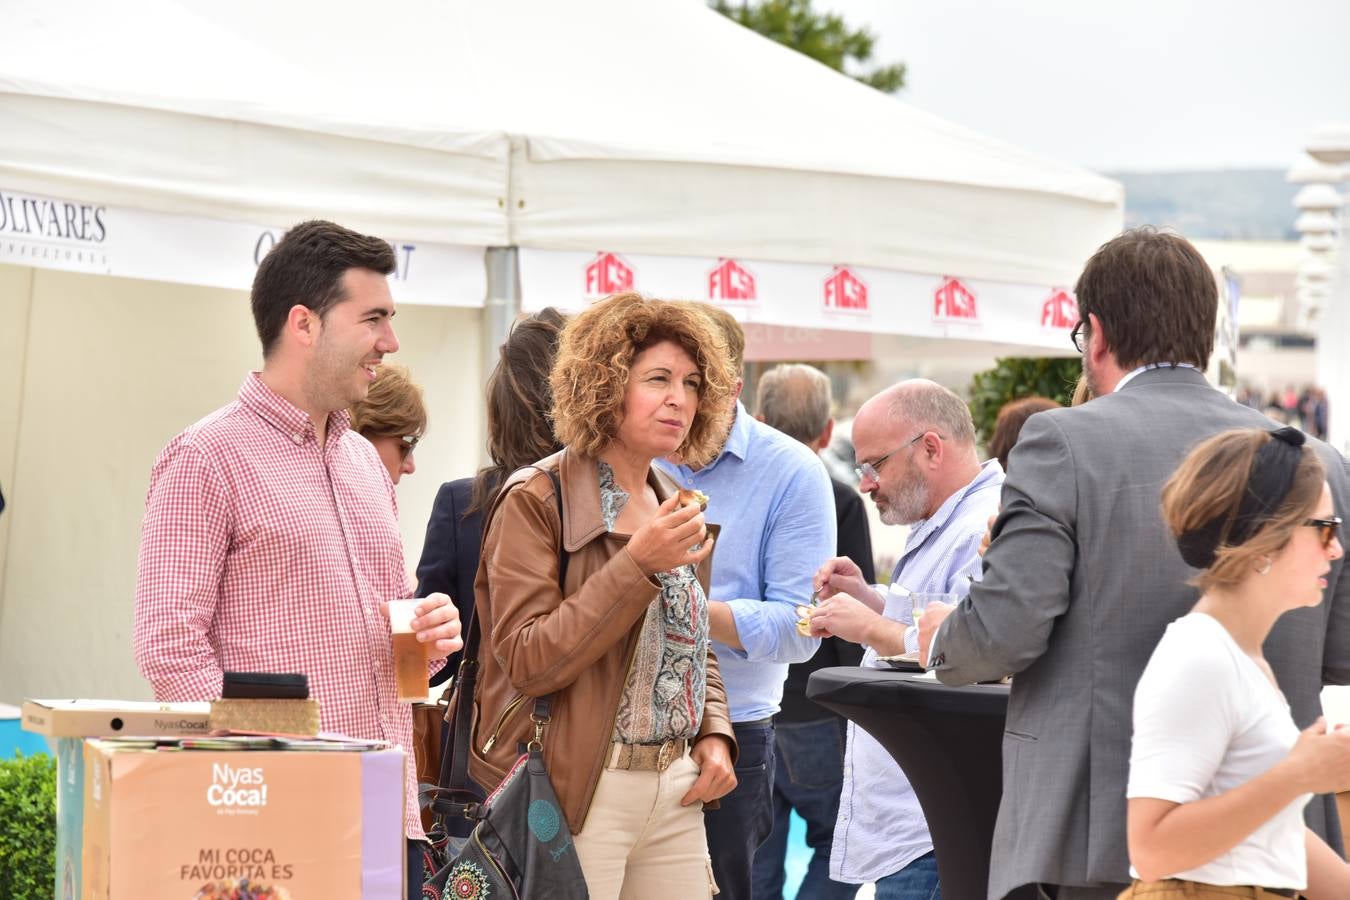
x=519 y=432
x=1081 y=392
x=918 y=461
x=1219 y=773
x=270 y=541
x=393 y=418
x=638 y=738
x=1008 y=425
x=1082 y=577
x=809 y=739
x=774 y=496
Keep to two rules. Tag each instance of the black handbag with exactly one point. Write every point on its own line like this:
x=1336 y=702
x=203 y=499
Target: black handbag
x=520 y=846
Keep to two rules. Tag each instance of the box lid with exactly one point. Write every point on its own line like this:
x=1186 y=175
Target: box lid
x=98 y=718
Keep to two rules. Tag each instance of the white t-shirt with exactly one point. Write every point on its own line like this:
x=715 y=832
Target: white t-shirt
x=1207 y=719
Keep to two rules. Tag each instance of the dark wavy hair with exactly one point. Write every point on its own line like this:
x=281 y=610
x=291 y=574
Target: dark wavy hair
x=597 y=350
x=1008 y=426
x=1155 y=296
x=519 y=403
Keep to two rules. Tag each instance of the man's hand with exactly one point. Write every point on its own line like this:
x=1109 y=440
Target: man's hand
x=843 y=616
x=842 y=575
x=932 y=618
x=436 y=622
x=716 y=776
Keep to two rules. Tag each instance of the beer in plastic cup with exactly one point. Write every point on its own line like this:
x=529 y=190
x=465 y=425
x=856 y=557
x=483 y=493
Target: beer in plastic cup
x=410 y=655
x=920 y=603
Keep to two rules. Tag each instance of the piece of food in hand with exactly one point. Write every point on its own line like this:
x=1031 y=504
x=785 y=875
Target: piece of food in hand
x=804 y=614
x=688 y=497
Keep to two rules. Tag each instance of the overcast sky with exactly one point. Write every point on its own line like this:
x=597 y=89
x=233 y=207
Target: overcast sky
x=1144 y=85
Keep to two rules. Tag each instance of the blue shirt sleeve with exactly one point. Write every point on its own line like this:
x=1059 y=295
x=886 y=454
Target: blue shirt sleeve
x=800 y=536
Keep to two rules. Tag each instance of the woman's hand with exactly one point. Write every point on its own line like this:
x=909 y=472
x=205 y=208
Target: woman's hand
x=1321 y=759
x=664 y=542
x=716 y=776
x=988 y=534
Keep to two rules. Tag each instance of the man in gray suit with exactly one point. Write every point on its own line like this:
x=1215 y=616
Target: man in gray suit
x=1082 y=577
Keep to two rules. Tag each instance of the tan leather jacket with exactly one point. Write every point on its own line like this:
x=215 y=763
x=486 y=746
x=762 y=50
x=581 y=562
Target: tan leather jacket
x=536 y=641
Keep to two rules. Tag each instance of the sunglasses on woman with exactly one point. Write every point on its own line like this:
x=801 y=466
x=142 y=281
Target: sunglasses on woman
x=1330 y=528
x=407 y=444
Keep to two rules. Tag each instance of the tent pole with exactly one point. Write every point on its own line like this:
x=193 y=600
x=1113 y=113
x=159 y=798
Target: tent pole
x=500 y=307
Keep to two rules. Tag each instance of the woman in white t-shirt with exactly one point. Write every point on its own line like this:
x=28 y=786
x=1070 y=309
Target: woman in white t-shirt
x=1219 y=773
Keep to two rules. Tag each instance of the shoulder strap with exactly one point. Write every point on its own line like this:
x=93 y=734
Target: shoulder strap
x=454 y=777
x=562 y=525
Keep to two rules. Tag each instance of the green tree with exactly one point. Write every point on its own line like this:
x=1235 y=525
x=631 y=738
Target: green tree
x=1017 y=377
x=27 y=827
x=823 y=36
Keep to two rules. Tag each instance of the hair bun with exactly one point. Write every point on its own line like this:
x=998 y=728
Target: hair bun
x=1290 y=435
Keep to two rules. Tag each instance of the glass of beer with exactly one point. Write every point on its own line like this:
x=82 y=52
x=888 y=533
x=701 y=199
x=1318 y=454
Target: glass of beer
x=410 y=655
x=920 y=603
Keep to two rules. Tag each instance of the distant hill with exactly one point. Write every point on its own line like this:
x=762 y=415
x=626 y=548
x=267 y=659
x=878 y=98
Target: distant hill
x=1238 y=204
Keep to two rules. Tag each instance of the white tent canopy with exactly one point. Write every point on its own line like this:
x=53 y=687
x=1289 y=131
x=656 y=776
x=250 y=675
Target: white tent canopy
x=655 y=128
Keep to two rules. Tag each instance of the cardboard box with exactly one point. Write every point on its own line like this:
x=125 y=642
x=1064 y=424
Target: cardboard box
x=171 y=824
x=69 y=816
x=104 y=718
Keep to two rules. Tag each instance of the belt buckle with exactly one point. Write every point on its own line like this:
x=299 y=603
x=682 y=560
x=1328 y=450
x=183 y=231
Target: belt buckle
x=665 y=756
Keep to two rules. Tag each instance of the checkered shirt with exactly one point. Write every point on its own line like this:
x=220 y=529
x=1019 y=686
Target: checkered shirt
x=263 y=552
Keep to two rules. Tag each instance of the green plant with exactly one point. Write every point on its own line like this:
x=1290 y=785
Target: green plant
x=27 y=827
x=1015 y=377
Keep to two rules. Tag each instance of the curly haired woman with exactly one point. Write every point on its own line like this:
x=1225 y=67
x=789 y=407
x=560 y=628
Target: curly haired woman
x=639 y=736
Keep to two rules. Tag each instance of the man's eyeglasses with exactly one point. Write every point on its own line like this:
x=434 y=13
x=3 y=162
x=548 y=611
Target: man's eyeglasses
x=1330 y=528
x=407 y=444
x=869 y=470
x=1079 y=336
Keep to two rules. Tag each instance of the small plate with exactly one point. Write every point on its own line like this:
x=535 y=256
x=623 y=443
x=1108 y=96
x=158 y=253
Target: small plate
x=900 y=657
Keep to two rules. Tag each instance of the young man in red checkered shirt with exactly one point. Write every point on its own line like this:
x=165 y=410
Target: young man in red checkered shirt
x=270 y=541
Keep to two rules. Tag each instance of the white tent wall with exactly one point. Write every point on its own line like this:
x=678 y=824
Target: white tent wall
x=650 y=128
x=16 y=286
x=96 y=376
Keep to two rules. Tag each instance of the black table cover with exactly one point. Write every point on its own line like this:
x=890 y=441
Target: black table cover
x=948 y=741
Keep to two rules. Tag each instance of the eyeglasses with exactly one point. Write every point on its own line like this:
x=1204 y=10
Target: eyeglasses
x=869 y=470
x=407 y=444
x=1079 y=336
x=1330 y=529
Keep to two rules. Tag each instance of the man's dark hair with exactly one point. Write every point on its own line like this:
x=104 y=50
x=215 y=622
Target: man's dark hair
x=305 y=268
x=1154 y=295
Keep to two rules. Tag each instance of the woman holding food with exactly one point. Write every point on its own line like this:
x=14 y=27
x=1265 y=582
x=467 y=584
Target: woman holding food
x=638 y=736
x=1219 y=773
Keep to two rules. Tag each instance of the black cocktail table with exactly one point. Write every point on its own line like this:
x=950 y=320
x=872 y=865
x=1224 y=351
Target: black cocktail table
x=948 y=741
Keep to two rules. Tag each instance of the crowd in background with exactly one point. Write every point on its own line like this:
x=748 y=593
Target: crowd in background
x=1306 y=409
x=647 y=571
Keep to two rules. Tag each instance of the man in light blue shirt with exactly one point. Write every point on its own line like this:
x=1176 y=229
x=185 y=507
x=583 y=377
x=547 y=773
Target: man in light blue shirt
x=774 y=501
x=915 y=443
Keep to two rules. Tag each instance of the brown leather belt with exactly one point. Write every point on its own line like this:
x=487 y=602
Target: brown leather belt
x=647 y=757
x=1174 y=885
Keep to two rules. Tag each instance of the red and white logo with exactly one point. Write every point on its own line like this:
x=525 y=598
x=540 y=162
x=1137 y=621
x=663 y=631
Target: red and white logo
x=608 y=273
x=731 y=281
x=845 y=292
x=1059 y=312
x=954 y=302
